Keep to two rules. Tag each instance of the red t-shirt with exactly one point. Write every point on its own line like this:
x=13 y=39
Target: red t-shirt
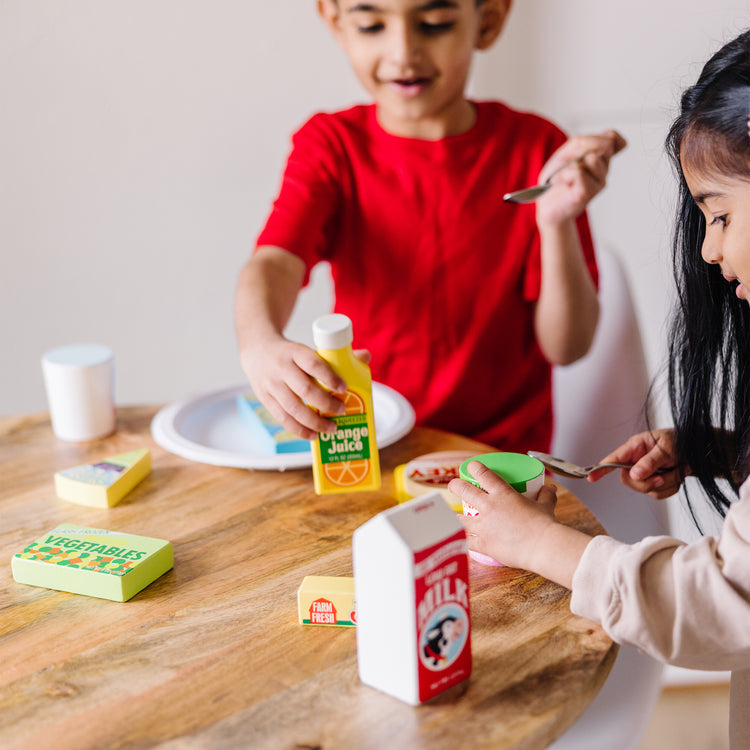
x=437 y=273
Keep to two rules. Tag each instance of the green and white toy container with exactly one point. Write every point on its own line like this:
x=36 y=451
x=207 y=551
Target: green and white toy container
x=523 y=473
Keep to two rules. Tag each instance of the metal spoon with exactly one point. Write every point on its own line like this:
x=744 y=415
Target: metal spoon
x=569 y=469
x=530 y=194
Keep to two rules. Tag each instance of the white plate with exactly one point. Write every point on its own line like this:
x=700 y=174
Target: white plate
x=208 y=429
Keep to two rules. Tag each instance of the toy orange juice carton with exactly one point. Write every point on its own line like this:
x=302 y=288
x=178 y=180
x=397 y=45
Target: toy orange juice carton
x=411 y=574
x=347 y=460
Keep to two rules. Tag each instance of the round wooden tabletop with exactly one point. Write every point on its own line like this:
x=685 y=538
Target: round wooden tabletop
x=211 y=654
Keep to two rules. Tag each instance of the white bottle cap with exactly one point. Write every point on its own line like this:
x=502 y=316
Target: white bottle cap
x=332 y=331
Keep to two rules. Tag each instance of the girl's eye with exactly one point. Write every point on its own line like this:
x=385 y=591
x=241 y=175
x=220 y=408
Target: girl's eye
x=370 y=29
x=720 y=220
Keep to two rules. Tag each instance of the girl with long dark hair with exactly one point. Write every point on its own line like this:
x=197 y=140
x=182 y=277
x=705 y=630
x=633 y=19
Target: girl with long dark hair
x=685 y=604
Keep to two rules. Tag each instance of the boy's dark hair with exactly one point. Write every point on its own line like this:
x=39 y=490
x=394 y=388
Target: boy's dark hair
x=478 y=2
x=709 y=370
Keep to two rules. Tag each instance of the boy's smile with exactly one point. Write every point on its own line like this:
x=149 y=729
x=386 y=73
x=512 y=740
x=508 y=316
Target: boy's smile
x=410 y=87
x=414 y=57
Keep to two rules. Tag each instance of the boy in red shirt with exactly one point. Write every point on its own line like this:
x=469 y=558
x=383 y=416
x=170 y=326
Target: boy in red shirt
x=463 y=301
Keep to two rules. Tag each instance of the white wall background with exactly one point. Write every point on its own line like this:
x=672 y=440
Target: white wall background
x=141 y=144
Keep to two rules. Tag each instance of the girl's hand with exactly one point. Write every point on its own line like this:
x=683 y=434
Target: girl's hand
x=578 y=182
x=509 y=525
x=649 y=452
x=519 y=532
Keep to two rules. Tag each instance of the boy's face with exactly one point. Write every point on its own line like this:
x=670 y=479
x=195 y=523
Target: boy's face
x=414 y=57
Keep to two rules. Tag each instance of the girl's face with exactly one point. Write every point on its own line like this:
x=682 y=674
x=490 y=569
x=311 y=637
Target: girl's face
x=725 y=204
x=413 y=57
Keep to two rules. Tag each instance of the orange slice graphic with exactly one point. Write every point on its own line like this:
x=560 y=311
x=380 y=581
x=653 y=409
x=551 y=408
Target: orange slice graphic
x=349 y=473
x=353 y=403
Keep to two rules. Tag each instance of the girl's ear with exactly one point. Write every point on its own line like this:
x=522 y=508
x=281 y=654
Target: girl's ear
x=329 y=12
x=492 y=17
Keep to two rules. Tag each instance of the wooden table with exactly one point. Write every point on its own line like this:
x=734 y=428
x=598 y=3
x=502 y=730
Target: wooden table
x=211 y=655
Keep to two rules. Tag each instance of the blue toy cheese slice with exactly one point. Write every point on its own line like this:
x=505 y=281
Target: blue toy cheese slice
x=103 y=484
x=269 y=435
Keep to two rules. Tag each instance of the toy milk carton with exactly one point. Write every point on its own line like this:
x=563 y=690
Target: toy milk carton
x=411 y=574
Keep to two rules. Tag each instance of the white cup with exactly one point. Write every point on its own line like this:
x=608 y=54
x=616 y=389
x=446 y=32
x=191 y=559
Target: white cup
x=79 y=380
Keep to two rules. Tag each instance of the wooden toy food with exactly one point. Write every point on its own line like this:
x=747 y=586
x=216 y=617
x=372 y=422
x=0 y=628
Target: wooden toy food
x=347 y=460
x=431 y=472
x=523 y=473
x=267 y=432
x=411 y=573
x=106 y=564
x=105 y=483
x=327 y=600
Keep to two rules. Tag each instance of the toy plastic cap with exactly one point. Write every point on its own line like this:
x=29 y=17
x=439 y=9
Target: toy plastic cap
x=517 y=469
x=332 y=331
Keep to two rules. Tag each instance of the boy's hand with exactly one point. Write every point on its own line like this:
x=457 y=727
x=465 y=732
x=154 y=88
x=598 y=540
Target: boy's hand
x=284 y=377
x=649 y=452
x=576 y=184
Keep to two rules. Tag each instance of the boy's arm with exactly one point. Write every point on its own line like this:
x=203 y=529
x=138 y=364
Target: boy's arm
x=282 y=373
x=567 y=310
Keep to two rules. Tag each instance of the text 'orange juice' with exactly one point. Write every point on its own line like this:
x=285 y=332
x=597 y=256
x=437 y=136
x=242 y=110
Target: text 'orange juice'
x=346 y=460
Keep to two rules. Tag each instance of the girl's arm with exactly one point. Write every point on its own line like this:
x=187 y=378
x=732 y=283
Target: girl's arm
x=686 y=604
x=567 y=310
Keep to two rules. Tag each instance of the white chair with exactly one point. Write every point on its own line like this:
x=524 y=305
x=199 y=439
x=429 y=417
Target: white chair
x=599 y=402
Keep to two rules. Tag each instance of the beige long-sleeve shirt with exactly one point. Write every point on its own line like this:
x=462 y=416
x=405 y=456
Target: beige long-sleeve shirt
x=684 y=604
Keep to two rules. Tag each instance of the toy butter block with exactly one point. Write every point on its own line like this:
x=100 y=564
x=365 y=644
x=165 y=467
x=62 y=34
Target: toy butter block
x=94 y=562
x=270 y=435
x=103 y=484
x=327 y=600
x=411 y=572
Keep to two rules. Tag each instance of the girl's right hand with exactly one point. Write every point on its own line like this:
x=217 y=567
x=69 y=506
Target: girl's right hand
x=649 y=452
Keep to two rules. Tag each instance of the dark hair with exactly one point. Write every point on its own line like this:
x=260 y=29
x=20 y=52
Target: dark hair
x=477 y=2
x=709 y=370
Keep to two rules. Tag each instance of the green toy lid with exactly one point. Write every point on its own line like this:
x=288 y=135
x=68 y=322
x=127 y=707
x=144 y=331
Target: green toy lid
x=515 y=468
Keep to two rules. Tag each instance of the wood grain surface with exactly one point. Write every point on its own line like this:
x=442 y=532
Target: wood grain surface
x=211 y=655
